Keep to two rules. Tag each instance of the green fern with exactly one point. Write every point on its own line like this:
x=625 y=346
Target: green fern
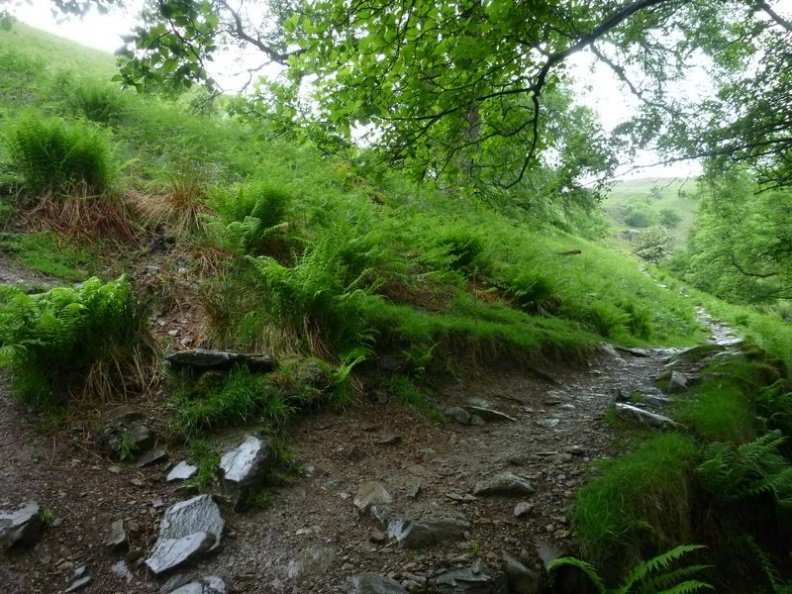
x=653 y=576
x=71 y=339
x=731 y=473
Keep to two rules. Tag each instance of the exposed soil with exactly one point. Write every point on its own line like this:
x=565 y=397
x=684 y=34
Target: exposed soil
x=312 y=538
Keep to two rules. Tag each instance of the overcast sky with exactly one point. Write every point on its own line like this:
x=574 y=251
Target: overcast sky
x=599 y=90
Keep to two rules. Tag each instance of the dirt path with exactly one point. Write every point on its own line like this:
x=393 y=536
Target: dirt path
x=312 y=538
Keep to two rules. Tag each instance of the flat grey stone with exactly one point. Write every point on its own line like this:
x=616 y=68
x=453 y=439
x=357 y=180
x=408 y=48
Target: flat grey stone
x=78 y=584
x=523 y=509
x=20 y=527
x=118 y=537
x=490 y=414
x=170 y=553
x=181 y=472
x=204 y=359
x=246 y=463
x=371 y=583
x=211 y=584
x=458 y=414
x=152 y=457
x=371 y=494
x=476 y=579
x=633 y=414
x=506 y=483
x=433 y=529
x=188 y=529
x=522 y=580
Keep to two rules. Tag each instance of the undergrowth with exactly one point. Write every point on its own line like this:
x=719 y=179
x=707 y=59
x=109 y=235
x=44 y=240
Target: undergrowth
x=85 y=343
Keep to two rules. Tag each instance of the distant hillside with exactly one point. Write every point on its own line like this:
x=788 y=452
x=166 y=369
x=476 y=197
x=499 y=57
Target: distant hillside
x=640 y=203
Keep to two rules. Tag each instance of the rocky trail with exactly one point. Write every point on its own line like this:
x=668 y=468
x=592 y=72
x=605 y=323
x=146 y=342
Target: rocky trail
x=388 y=501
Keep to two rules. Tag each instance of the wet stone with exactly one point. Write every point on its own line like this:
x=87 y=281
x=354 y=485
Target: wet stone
x=20 y=527
x=433 y=529
x=181 y=472
x=371 y=583
x=209 y=585
x=371 y=494
x=188 y=529
x=506 y=483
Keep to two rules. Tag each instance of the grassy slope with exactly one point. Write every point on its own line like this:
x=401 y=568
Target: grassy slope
x=581 y=297
x=640 y=191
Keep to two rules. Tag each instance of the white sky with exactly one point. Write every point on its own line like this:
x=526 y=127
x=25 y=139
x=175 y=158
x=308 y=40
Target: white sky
x=598 y=89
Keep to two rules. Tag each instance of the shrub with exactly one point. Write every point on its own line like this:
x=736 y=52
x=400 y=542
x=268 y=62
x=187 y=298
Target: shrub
x=97 y=101
x=86 y=341
x=60 y=157
x=252 y=214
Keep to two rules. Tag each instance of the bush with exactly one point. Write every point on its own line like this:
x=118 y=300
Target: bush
x=67 y=342
x=97 y=101
x=60 y=157
x=252 y=214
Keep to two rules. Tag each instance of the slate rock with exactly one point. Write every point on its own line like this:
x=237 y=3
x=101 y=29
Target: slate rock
x=78 y=584
x=181 y=472
x=458 y=414
x=245 y=467
x=523 y=509
x=521 y=579
x=152 y=457
x=188 y=529
x=311 y=560
x=118 y=537
x=633 y=414
x=490 y=414
x=21 y=527
x=678 y=382
x=476 y=579
x=506 y=483
x=125 y=437
x=170 y=553
x=217 y=360
x=371 y=494
x=211 y=584
x=432 y=529
x=121 y=569
x=203 y=359
x=371 y=583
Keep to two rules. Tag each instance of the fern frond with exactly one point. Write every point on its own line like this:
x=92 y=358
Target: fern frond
x=588 y=569
x=660 y=562
x=689 y=587
x=668 y=579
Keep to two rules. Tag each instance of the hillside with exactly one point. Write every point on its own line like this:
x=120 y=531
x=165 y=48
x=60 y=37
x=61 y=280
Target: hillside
x=408 y=364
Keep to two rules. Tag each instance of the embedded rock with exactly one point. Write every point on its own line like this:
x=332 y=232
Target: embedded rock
x=522 y=580
x=458 y=414
x=678 y=382
x=125 y=437
x=506 y=483
x=371 y=494
x=188 y=529
x=633 y=414
x=490 y=414
x=20 y=527
x=153 y=457
x=476 y=579
x=212 y=360
x=371 y=583
x=181 y=472
x=118 y=537
x=209 y=585
x=432 y=529
x=244 y=467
